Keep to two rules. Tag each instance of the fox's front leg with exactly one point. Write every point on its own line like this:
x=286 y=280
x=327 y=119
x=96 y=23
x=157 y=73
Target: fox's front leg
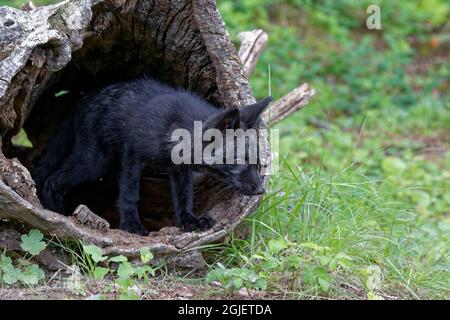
x=130 y=174
x=182 y=190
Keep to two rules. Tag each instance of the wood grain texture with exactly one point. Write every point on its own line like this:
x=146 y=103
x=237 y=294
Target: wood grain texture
x=252 y=46
x=288 y=104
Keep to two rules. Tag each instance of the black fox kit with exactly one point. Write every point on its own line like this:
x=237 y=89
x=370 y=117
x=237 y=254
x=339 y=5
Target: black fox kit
x=131 y=124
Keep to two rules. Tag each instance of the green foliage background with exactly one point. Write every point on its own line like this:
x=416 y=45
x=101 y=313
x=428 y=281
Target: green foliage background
x=360 y=207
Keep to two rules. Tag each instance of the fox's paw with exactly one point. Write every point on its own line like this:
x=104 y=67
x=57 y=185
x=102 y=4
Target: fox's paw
x=189 y=223
x=53 y=202
x=206 y=222
x=134 y=227
x=51 y=199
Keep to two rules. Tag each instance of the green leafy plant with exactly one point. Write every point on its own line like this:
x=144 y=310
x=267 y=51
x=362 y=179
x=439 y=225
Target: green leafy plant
x=123 y=275
x=237 y=278
x=286 y=258
x=23 y=270
x=32 y=242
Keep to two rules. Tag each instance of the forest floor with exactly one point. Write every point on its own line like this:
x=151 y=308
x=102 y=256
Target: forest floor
x=156 y=289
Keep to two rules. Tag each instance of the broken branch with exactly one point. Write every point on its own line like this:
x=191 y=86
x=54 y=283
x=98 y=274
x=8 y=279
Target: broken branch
x=253 y=44
x=287 y=105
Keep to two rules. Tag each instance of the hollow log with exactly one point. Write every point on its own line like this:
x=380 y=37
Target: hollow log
x=51 y=56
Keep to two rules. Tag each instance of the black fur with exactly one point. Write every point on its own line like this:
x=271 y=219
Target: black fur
x=130 y=124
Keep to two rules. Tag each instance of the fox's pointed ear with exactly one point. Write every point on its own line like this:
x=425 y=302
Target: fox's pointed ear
x=250 y=113
x=228 y=119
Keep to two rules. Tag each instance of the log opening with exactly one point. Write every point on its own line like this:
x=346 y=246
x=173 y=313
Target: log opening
x=164 y=43
x=52 y=56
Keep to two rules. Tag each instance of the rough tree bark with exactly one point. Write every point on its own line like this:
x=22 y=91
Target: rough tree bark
x=51 y=56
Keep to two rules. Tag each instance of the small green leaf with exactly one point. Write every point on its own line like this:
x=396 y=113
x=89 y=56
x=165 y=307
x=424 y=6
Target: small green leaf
x=214 y=275
x=374 y=275
x=261 y=284
x=324 y=284
x=271 y=263
x=236 y=283
x=61 y=93
x=5 y=262
x=32 y=275
x=10 y=275
x=124 y=283
x=344 y=260
x=309 y=276
x=324 y=260
x=318 y=276
x=100 y=272
x=125 y=270
x=32 y=242
x=128 y=296
x=146 y=255
x=333 y=264
x=120 y=258
x=143 y=271
x=393 y=165
x=95 y=253
x=276 y=245
x=293 y=262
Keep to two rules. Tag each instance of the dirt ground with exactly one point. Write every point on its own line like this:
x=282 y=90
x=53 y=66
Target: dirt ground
x=155 y=289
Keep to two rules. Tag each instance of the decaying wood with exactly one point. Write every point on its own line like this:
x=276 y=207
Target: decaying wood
x=24 y=35
x=86 y=217
x=252 y=44
x=231 y=79
x=80 y=45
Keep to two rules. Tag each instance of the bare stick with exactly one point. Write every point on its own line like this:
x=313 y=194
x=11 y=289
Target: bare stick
x=252 y=45
x=290 y=103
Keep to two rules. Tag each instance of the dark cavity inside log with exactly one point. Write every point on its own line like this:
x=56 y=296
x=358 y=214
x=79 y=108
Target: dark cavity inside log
x=121 y=44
